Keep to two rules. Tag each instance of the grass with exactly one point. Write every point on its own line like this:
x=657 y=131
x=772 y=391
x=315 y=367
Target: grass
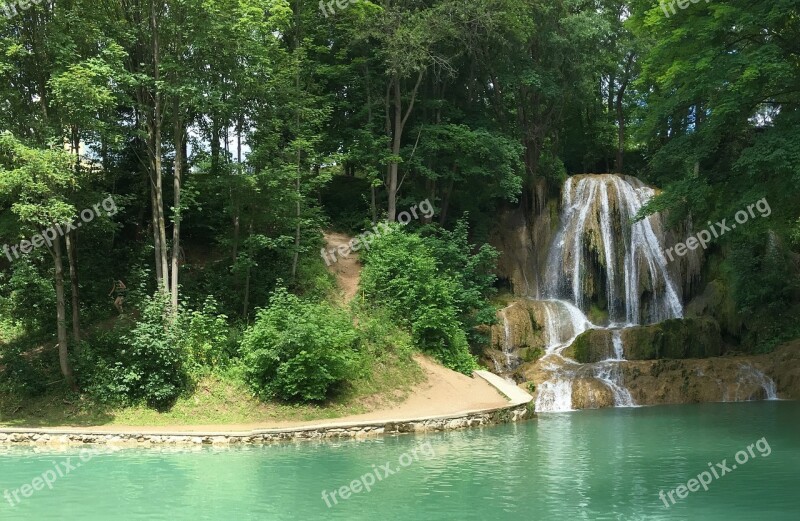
x=217 y=400
x=387 y=377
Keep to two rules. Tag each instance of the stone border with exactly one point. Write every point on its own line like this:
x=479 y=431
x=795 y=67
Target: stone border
x=519 y=409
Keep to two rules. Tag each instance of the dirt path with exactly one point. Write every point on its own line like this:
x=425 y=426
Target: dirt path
x=346 y=269
x=444 y=393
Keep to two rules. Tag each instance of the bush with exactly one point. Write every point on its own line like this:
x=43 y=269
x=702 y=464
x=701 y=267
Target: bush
x=27 y=297
x=432 y=285
x=205 y=337
x=298 y=350
x=147 y=362
x=27 y=370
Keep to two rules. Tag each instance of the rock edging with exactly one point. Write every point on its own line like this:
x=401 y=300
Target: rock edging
x=519 y=409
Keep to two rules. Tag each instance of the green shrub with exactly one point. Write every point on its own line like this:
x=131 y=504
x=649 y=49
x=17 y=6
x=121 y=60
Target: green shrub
x=205 y=337
x=298 y=350
x=145 y=363
x=26 y=370
x=404 y=274
x=101 y=368
x=27 y=297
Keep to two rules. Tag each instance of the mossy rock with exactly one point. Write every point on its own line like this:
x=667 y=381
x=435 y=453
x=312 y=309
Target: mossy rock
x=597 y=316
x=673 y=339
x=591 y=346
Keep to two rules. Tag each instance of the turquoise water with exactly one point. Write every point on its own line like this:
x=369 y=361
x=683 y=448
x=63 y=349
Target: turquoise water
x=606 y=464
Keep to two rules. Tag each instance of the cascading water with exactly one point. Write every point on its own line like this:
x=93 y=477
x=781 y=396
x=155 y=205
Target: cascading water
x=512 y=361
x=597 y=248
x=599 y=255
x=750 y=375
x=616 y=338
x=564 y=322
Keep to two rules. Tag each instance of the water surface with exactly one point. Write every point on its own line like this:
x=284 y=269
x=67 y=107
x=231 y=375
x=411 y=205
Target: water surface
x=594 y=465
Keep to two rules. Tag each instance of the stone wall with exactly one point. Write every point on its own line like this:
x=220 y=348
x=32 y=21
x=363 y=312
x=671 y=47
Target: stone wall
x=509 y=414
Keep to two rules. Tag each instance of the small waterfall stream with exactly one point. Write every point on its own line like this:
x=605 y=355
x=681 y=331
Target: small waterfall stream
x=512 y=360
x=750 y=375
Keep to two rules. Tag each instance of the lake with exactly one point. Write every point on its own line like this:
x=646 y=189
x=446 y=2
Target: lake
x=605 y=464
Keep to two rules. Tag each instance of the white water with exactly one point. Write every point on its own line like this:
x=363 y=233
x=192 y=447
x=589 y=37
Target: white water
x=563 y=323
x=555 y=396
x=608 y=372
x=750 y=375
x=511 y=359
x=632 y=260
x=619 y=351
x=506 y=339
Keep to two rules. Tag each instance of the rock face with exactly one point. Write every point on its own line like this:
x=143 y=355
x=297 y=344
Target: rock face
x=523 y=241
x=670 y=381
x=733 y=379
x=671 y=339
x=517 y=337
x=676 y=339
x=589 y=393
x=592 y=346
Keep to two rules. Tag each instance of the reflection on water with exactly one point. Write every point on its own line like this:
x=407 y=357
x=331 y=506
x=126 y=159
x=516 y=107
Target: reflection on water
x=587 y=465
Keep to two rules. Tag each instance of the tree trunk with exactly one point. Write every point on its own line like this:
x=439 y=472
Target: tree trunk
x=620 y=136
x=400 y=120
x=446 y=200
x=621 y=113
x=215 y=148
x=298 y=194
x=177 y=212
x=397 y=139
x=61 y=314
x=156 y=238
x=156 y=129
x=246 y=308
x=72 y=257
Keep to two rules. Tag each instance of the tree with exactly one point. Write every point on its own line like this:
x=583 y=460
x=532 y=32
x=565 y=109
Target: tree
x=38 y=181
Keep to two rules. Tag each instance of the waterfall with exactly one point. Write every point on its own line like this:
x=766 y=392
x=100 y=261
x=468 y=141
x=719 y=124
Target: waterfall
x=600 y=254
x=596 y=233
x=563 y=323
x=608 y=372
x=619 y=351
x=555 y=395
x=506 y=339
x=511 y=359
x=749 y=375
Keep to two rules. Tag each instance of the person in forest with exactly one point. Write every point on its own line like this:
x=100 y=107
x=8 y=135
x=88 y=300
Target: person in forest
x=118 y=291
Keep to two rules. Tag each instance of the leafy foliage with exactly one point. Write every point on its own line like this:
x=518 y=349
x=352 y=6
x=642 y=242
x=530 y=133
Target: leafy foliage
x=298 y=350
x=146 y=363
x=433 y=285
